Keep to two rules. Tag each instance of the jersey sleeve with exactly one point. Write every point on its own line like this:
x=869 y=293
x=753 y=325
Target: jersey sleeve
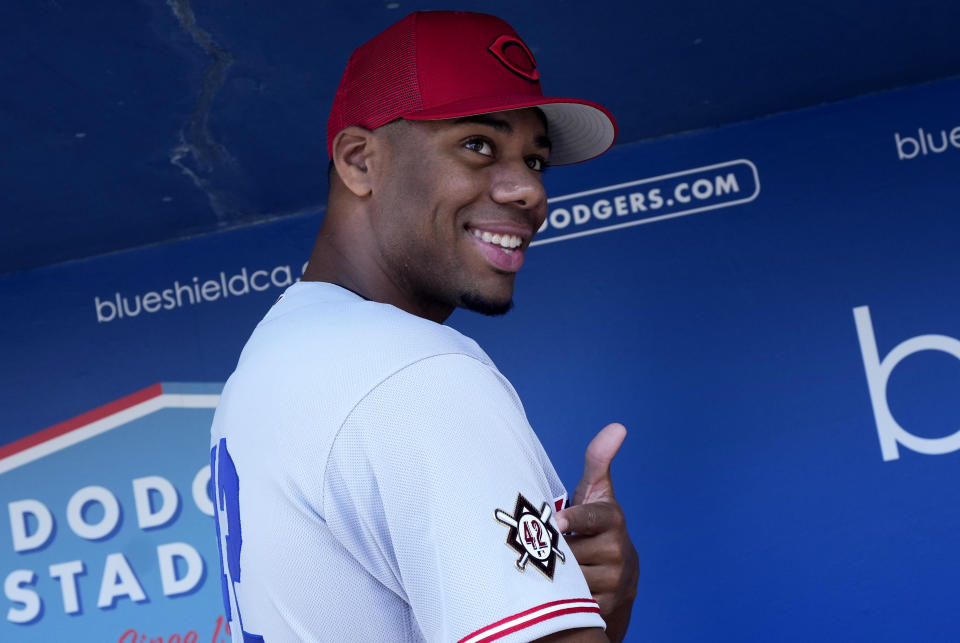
x=437 y=486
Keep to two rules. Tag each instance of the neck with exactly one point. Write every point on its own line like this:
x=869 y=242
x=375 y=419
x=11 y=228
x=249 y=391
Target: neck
x=332 y=261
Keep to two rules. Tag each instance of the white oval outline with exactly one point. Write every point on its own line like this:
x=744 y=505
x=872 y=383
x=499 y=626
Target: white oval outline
x=671 y=215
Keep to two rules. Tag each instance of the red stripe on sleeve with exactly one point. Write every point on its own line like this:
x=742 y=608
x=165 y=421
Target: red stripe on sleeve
x=522 y=621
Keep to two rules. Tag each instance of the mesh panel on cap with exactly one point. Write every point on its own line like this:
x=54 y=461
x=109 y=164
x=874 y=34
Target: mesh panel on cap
x=380 y=82
x=451 y=52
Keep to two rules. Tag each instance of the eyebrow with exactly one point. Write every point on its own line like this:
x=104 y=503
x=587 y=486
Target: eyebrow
x=540 y=140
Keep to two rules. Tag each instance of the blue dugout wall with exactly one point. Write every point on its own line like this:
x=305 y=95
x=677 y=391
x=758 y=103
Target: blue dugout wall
x=771 y=308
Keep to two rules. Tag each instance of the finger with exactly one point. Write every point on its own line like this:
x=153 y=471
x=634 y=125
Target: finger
x=601 y=579
x=596 y=466
x=590 y=518
x=604 y=549
x=605 y=601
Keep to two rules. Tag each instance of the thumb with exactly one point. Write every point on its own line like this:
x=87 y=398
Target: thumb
x=596 y=482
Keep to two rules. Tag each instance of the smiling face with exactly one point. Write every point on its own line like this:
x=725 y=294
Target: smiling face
x=456 y=208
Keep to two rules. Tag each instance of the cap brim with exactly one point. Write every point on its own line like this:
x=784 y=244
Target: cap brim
x=579 y=130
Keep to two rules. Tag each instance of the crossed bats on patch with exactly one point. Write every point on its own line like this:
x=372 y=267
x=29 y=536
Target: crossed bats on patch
x=545 y=513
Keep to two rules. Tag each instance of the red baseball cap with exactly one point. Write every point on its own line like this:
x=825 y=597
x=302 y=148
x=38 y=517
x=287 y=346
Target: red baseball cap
x=448 y=64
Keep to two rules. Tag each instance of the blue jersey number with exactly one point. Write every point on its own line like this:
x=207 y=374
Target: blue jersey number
x=227 y=489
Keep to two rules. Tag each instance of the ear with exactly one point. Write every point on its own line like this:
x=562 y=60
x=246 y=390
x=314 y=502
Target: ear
x=353 y=149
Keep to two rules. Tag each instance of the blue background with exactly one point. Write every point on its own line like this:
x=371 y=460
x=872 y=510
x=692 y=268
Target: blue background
x=134 y=122
x=752 y=476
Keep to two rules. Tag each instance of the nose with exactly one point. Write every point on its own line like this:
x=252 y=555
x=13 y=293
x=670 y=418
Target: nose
x=516 y=184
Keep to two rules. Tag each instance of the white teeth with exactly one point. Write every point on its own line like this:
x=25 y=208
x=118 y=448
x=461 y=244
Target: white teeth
x=506 y=241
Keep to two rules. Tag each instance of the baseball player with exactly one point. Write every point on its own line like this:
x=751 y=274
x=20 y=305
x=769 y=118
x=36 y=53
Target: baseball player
x=376 y=478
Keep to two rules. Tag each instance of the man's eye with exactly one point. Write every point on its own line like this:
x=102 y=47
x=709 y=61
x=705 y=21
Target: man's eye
x=536 y=163
x=480 y=146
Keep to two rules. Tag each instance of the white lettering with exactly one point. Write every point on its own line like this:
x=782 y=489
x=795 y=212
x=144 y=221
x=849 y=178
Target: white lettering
x=14 y=588
x=166 y=555
x=602 y=209
x=925 y=143
x=210 y=290
x=181 y=290
x=934 y=148
x=169 y=501
x=656 y=201
x=581 y=214
x=179 y=295
x=620 y=203
x=101 y=305
x=900 y=143
x=151 y=302
x=253 y=280
x=559 y=218
x=19 y=510
x=111 y=512
x=66 y=573
x=878 y=372
x=199 y=488
x=727 y=185
x=285 y=272
x=702 y=189
x=118 y=581
x=126 y=308
x=244 y=287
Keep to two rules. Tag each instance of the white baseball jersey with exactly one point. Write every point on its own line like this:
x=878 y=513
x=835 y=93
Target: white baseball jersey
x=376 y=479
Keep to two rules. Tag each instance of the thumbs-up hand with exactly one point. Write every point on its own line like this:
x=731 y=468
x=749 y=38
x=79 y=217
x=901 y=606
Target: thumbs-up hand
x=596 y=531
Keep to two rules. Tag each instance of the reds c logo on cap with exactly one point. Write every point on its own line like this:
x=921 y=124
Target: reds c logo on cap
x=437 y=68
x=515 y=56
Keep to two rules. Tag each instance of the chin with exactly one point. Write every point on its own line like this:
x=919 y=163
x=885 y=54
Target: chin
x=485 y=305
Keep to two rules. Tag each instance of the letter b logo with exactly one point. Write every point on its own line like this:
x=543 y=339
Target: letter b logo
x=878 y=374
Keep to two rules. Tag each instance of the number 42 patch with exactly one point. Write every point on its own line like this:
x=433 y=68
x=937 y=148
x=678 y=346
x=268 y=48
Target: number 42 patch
x=532 y=536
